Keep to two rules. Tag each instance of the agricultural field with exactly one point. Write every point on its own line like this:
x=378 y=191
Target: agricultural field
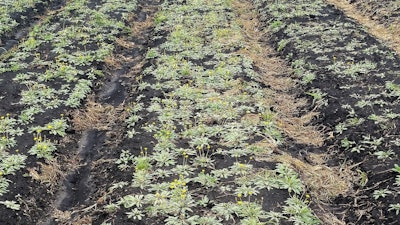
x=385 y=12
x=199 y=112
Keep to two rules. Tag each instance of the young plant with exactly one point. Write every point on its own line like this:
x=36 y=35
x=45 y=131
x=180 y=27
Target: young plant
x=11 y=205
x=4 y=183
x=288 y=179
x=12 y=163
x=43 y=147
x=395 y=207
x=299 y=212
x=381 y=193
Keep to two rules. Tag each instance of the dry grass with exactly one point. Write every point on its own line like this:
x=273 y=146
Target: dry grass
x=67 y=218
x=390 y=35
x=48 y=173
x=324 y=182
x=329 y=219
x=138 y=28
x=61 y=216
x=251 y=119
x=124 y=43
x=113 y=62
x=275 y=74
x=96 y=116
x=271 y=67
x=297 y=128
x=86 y=220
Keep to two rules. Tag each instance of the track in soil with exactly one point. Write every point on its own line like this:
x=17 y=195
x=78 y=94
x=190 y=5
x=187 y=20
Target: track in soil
x=84 y=184
x=37 y=190
x=105 y=172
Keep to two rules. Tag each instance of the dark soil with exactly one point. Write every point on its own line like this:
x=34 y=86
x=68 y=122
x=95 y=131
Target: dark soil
x=104 y=171
x=26 y=19
x=73 y=162
x=387 y=12
x=100 y=169
x=359 y=207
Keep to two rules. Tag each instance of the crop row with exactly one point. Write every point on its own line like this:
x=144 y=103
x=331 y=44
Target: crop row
x=53 y=69
x=351 y=77
x=207 y=117
x=8 y=10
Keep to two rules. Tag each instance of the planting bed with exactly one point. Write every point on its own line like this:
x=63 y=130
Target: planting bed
x=17 y=16
x=196 y=112
x=386 y=12
x=352 y=80
x=386 y=19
